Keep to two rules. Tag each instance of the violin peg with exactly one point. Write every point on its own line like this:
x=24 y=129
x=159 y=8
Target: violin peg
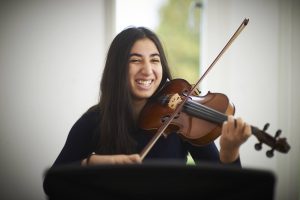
x=258 y=146
x=270 y=153
x=277 y=134
x=266 y=126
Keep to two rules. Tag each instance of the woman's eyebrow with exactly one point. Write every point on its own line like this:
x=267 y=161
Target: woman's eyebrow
x=155 y=54
x=135 y=54
x=140 y=55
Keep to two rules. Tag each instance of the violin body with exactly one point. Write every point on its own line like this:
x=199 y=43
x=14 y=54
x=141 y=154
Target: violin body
x=191 y=123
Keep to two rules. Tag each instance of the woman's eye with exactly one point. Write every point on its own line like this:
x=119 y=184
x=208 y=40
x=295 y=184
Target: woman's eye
x=135 y=60
x=155 y=60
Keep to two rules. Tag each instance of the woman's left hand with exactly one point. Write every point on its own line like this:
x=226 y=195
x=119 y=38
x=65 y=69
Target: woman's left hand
x=234 y=133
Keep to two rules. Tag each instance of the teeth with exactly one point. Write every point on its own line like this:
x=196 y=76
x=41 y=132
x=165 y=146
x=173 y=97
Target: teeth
x=145 y=82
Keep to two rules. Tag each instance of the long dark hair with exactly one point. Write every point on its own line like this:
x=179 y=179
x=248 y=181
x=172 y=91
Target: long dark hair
x=117 y=123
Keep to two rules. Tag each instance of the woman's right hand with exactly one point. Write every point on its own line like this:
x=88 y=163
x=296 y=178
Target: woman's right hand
x=96 y=159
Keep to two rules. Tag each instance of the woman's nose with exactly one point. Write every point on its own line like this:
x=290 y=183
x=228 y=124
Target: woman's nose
x=147 y=68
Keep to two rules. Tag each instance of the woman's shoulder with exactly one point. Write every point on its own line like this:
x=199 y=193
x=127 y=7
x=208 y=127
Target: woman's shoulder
x=92 y=113
x=88 y=119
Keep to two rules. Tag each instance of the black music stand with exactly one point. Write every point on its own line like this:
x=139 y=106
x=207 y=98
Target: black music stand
x=157 y=181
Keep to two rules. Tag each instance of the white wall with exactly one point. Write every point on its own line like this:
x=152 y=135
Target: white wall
x=51 y=58
x=259 y=73
x=138 y=13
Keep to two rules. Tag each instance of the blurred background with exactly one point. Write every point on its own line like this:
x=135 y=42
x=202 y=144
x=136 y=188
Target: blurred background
x=52 y=54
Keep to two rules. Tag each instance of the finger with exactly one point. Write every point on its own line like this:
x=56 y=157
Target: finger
x=135 y=158
x=243 y=128
x=225 y=127
x=127 y=159
x=240 y=124
x=247 y=130
x=122 y=159
x=230 y=121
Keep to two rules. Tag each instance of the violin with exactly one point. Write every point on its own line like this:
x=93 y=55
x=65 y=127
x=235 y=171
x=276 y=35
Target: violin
x=179 y=108
x=201 y=117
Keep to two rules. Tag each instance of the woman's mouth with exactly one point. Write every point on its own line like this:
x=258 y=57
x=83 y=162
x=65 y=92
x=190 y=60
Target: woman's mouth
x=144 y=83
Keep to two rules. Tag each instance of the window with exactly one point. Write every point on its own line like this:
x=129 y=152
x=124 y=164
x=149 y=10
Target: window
x=176 y=22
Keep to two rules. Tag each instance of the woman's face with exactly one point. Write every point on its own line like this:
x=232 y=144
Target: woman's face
x=145 y=70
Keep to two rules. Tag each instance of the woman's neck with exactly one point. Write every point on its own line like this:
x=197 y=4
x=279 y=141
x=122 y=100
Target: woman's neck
x=138 y=105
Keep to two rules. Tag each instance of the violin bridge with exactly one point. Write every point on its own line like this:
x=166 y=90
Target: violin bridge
x=174 y=101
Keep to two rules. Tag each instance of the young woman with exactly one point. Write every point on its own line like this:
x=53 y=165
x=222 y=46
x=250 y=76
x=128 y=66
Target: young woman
x=136 y=67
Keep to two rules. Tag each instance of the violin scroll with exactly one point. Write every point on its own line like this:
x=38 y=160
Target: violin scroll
x=275 y=142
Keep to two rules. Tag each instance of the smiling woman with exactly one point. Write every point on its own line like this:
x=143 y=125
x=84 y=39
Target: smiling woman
x=145 y=70
x=108 y=133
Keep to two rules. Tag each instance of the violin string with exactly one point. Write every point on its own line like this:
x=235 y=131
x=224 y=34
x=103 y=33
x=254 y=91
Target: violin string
x=204 y=112
x=220 y=117
x=207 y=114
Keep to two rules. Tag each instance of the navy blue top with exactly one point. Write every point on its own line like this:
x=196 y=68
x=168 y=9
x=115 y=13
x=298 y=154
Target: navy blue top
x=81 y=142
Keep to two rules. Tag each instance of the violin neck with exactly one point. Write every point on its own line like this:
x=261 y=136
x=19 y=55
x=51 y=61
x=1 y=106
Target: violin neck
x=203 y=112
